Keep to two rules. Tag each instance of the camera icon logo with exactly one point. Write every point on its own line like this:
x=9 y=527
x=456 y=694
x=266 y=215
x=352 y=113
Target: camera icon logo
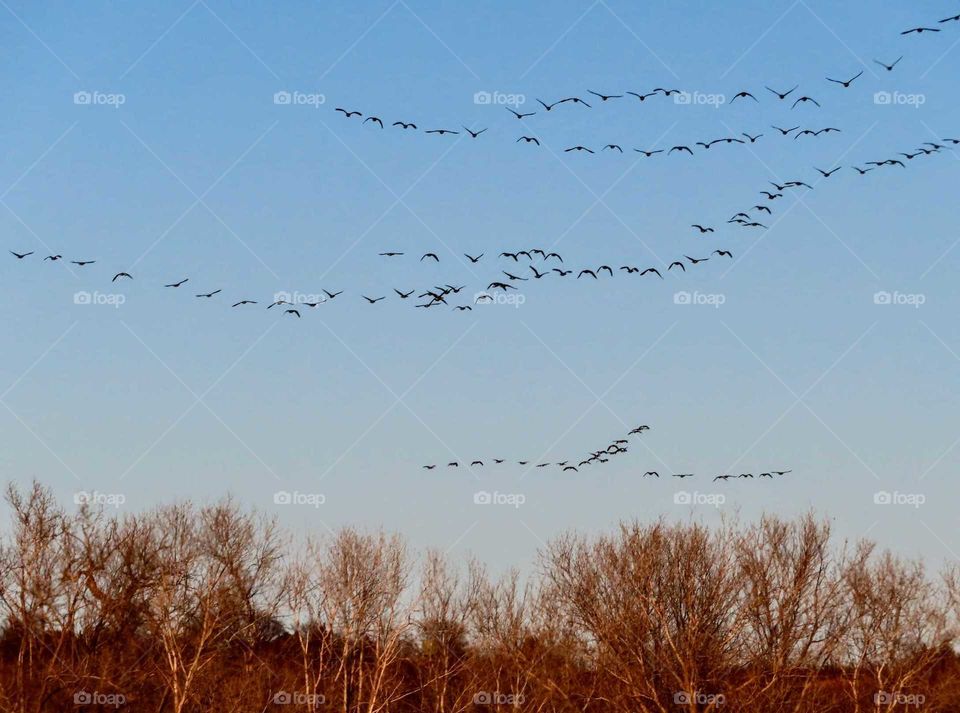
x=882 y=498
x=482 y=498
x=282 y=497
x=282 y=98
x=82 y=698
x=882 y=298
x=882 y=98
x=682 y=98
x=82 y=298
x=681 y=298
x=482 y=98
x=82 y=97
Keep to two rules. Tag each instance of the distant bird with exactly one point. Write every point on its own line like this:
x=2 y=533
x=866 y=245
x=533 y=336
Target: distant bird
x=782 y=95
x=648 y=154
x=702 y=229
x=476 y=462
x=514 y=278
x=827 y=174
x=861 y=171
x=642 y=97
x=753 y=139
x=676 y=263
x=696 y=260
x=919 y=30
x=605 y=97
x=122 y=274
x=277 y=303
x=785 y=132
x=208 y=294
x=829 y=129
x=331 y=296
x=429 y=467
x=54 y=258
x=453 y=464
x=781 y=472
x=653 y=270
x=374 y=119
x=771 y=196
x=528 y=139
x=577 y=148
x=518 y=114
x=243 y=302
x=538 y=275
x=587 y=272
x=612 y=146
x=667 y=92
x=683 y=475
x=463 y=308
x=743 y=95
x=391 y=254
x=473 y=134
x=889 y=67
x=20 y=256
x=177 y=284
x=441 y=132
x=473 y=259
x=562 y=273
x=651 y=472
x=557 y=255
x=293 y=312
x=348 y=114
x=680 y=148
x=426 y=255
x=607 y=268
x=845 y=84
x=955 y=18
x=723 y=253
x=547 y=107
x=403 y=295
x=500 y=286
x=723 y=477
x=570 y=467
x=639 y=429
x=575 y=100
x=373 y=300
x=81 y=263
x=804 y=100
x=404 y=125
x=762 y=209
x=510 y=255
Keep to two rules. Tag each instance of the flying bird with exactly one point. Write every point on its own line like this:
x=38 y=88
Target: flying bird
x=889 y=67
x=575 y=100
x=528 y=139
x=473 y=259
x=348 y=114
x=121 y=274
x=518 y=114
x=605 y=97
x=373 y=300
x=577 y=148
x=680 y=148
x=676 y=263
x=723 y=253
x=293 y=312
x=473 y=134
x=845 y=84
x=648 y=154
x=404 y=125
x=374 y=119
x=753 y=139
x=546 y=106
x=743 y=95
x=804 y=100
x=208 y=294
x=54 y=258
x=177 y=284
x=441 y=132
x=81 y=263
x=642 y=97
x=426 y=255
x=652 y=270
x=244 y=302
x=331 y=296
x=391 y=254
x=20 y=256
x=919 y=30
x=782 y=95
x=612 y=146
x=702 y=229
x=785 y=132
x=587 y=272
x=403 y=295
x=827 y=174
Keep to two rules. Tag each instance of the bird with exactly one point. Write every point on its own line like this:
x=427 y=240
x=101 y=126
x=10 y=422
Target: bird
x=403 y=295
x=651 y=472
x=845 y=84
x=683 y=475
x=404 y=125
x=722 y=253
x=642 y=97
x=473 y=134
x=500 y=286
x=753 y=139
x=630 y=270
x=570 y=467
x=762 y=209
x=81 y=263
x=605 y=97
x=429 y=467
x=827 y=174
x=557 y=255
x=453 y=464
x=391 y=254
x=680 y=148
x=463 y=308
x=889 y=67
x=607 y=268
x=577 y=148
x=20 y=256
x=648 y=154
x=804 y=100
x=587 y=272
x=54 y=258
x=348 y=114
x=518 y=114
x=723 y=477
x=919 y=30
x=476 y=462
x=208 y=294
x=528 y=139
x=861 y=171
x=441 y=132
x=243 y=302
x=514 y=278
x=676 y=263
x=639 y=429
x=331 y=296
x=829 y=129
x=612 y=146
x=278 y=302
x=955 y=18
x=373 y=300
x=653 y=270
x=510 y=255
x=374 y=119
x=782 y=95
x=702 y=229
x=562 y=273
x=547 y=107
x=498 y=460
x=695 y=260
x=121 y=274
x=426 y=255
x=177 y=284
x=575 y=100
x=785 y=132
x=743 y=95
x=293 y=312
x=473 y=259
x=781 y=472
x=772 y=196
x=667 y=92
x=536 y=274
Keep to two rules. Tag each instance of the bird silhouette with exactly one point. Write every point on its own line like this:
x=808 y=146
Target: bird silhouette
x=473 y=134
x=373 y=300
x=518 y=114
x=919 y=30
x=528 y=139
x=473 y=259
x=404 y=125
x=785 y=132
x=177 y=284
x=743 y=95
x=648 y=154
x=208 y=294
x=681 y=149
x=651 y=270
x=403 y=295
x=845 y=84
x=587 y=272
x=441 y=132
x=243 y=302
x=390 y=254
x=605 y=97
x=612 y=146
x=753 y=139
x=577 y=148
x=348 y=114
x=782 y=95
x=20 y=256
x=54 y=258
x=122 y=274
x=374 y=119
x=723 y=253
x=294 y=312
x=81 y=263
x=331 y=296
x=804 y=100
x=431 y=255
x=676 y=263
x=702 y=229
x=827 y=174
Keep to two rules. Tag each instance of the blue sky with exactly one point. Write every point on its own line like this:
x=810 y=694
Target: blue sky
x=200 y=174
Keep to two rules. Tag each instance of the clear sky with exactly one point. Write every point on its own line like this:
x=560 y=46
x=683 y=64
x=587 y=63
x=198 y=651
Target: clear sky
x=183 y=165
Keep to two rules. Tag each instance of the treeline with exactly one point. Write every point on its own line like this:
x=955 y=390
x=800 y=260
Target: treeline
x=213 y=608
